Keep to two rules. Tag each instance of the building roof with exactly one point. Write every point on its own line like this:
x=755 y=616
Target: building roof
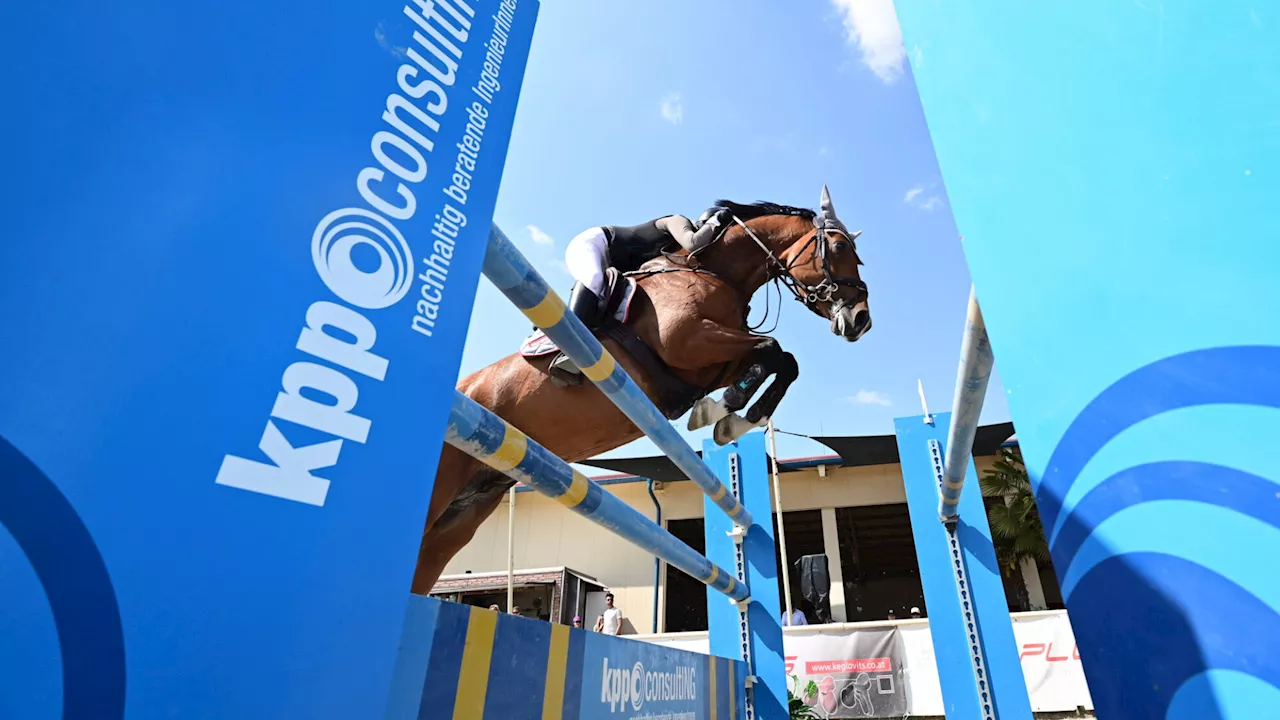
x=851 y=451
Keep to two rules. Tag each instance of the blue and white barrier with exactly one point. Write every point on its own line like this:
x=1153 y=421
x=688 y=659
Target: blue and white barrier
x=500 y=445
x=508 y=269
x=976 y=361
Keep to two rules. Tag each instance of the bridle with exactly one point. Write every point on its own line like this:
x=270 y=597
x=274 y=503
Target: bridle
x=825 y=290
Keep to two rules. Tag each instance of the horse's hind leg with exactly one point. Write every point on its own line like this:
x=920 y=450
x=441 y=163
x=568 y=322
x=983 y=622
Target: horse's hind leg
x=457 y=524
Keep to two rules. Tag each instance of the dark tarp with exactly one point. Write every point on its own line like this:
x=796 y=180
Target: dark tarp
x=853 y=452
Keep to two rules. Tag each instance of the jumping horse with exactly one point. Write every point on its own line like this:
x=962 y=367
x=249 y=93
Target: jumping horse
x=685 y=336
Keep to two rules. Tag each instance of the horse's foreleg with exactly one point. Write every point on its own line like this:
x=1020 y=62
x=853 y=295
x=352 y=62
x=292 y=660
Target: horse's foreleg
x=784 y=369
x=764 y=359
x=787 y=372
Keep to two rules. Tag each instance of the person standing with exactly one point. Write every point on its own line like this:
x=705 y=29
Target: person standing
x=797 y=617
x=611 y=621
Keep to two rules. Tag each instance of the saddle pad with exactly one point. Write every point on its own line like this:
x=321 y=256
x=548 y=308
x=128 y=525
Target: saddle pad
x=537 y=345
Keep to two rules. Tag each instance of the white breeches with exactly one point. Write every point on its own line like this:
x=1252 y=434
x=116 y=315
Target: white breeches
x=587 y=257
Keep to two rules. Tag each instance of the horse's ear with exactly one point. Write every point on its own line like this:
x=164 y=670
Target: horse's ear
x=827 y=217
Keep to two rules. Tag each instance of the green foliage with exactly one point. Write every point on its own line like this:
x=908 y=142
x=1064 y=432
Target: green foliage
x=1015 y=523
x=795 y=705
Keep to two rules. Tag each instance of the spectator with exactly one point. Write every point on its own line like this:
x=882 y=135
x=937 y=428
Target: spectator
x=577 y=621
x=797 y=617
x=915 y=612
x=494 y=607
x=892 y=615
x=515 y=609
x=611 y=621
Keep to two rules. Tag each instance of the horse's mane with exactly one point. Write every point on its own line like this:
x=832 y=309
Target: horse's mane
x=761 y=209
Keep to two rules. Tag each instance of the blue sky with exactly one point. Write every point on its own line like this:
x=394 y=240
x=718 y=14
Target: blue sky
x=634 y=110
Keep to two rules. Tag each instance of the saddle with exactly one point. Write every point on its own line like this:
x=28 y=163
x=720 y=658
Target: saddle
x=675 y=396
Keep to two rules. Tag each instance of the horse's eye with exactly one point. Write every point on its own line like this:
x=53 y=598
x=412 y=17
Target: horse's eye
x=842 y=246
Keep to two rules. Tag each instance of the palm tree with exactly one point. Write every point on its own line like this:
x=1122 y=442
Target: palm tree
x=1015 y=524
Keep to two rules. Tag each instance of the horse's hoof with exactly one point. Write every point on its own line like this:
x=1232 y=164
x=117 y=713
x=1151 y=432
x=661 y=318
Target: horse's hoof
x=706 y=412
x=732 y=427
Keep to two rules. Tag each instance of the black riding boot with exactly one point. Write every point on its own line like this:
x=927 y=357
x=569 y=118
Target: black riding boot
x=588 y=308
x=586 y=305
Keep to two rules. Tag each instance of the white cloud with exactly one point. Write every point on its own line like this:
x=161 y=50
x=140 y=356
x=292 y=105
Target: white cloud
x=672 y=109
x=922 y=197
x=872 y=25
x=539 y=237
x=871 y=397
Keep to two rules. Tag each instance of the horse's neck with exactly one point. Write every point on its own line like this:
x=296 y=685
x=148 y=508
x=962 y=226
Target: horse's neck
x=742 y=262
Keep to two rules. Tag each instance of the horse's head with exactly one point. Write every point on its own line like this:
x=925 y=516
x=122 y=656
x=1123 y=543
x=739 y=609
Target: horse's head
x=812 y=253
x=824 y=265
x=815 y=256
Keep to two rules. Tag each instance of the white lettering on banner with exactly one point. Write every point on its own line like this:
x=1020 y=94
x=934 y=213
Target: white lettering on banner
x=323 y=397
x=620 y=687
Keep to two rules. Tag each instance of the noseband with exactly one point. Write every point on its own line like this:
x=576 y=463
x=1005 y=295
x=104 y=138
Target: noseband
x=810 y=295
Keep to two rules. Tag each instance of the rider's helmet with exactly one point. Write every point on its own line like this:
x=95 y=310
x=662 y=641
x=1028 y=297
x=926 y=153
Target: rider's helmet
x=706 y=215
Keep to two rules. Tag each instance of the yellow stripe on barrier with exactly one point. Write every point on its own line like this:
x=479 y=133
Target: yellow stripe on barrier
x=477 y=653
x=715 y=573
x=547 y=312
x=557 y=666
x=732 y=582
x=576 y=493
x=733 y=689
x=719 y=493
x=602 y=368
x=711 y=686
x=511 y=451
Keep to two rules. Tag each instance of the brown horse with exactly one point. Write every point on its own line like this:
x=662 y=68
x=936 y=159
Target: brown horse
x=692 y=313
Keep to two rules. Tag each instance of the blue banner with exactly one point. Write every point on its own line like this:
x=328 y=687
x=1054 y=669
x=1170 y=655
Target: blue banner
x=242 y=249
x=1114 y=169
x=458 y=661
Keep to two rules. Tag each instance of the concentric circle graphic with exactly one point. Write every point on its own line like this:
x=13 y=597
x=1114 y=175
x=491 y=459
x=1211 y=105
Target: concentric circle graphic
x=337 y=236
x=76 y=582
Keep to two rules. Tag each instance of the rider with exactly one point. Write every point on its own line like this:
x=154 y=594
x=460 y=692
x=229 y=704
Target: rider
x=596 y=249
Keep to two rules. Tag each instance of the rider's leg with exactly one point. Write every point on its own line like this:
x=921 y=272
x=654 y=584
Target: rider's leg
x=587 y=258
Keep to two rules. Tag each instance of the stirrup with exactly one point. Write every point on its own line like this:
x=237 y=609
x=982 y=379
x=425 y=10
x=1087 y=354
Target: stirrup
x=565 y=372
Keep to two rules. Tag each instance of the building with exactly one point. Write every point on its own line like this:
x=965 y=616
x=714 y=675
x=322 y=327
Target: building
x=849 y=505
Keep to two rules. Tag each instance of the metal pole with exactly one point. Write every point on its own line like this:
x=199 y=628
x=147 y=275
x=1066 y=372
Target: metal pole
x=511 y=548
x=782 y=529
x=976 y=362
x=657 y=561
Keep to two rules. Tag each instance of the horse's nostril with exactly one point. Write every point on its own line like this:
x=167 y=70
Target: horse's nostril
x=861 y=321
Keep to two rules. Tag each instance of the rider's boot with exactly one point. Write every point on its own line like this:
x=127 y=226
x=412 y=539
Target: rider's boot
x=588 y=308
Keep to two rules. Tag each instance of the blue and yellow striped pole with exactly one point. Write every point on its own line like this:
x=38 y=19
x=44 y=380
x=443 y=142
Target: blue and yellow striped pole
x=508 y=269
x=495 y=442
x=976 y=362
